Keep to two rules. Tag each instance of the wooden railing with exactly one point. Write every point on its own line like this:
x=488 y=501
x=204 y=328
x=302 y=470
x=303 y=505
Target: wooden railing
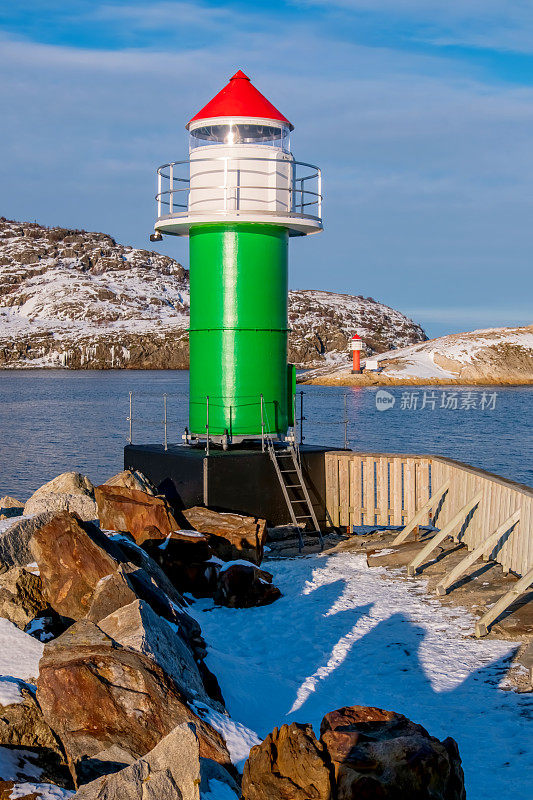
x=477 y=507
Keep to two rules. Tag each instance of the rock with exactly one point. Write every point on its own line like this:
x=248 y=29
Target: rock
x=72 y=556
x=66 y=483
x=22 y=725
x=21 y=597
x=290 y=764
x=242 y=586
x=186 y=558
x=82 y=505
x=137 y=627
x=170 y=771
x=14 y=542
x=112 y=592
x=231 y=536
x=140 y=557
x=94 y=694
x=147 y=518
x=70 y=491
x=377 y=753
x=10 y=507
x=132 y=480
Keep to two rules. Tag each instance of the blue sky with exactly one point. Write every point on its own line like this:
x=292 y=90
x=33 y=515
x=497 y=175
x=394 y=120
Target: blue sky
x=419 y=112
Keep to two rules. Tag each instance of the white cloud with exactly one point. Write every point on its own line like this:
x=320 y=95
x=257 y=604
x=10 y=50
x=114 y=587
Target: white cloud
x=428 y=169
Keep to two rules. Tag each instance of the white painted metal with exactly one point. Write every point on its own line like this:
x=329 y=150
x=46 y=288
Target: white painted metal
x=243 y=183
x=357 y=344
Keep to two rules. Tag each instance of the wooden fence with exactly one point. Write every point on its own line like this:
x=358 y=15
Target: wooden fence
x=480 y=509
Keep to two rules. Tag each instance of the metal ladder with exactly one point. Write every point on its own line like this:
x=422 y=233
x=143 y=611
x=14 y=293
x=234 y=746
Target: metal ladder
x=287 y=463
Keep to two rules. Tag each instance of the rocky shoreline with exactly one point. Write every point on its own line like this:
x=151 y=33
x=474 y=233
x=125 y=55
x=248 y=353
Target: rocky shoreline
x=97 y=583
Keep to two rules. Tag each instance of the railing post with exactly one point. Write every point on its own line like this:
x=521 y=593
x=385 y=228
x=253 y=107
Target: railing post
x=165 y=419
x=130 y=419
x=262 y=428
x=159 y=189
x=207 y=423
x=302 y=417
x=171 y=193
x=319 y=194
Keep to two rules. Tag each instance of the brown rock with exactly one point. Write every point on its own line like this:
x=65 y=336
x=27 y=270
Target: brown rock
x=10 y=507
x=290 y=764
x=132 y=480
x=96 y=694
x=21 y=596
x=377 y=753
x=147 y=518
x=72 y=557
x=231 y=536
x=243 y=586
x=184 y=556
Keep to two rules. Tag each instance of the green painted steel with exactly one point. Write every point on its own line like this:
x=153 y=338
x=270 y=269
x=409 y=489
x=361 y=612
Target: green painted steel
x=238 y=328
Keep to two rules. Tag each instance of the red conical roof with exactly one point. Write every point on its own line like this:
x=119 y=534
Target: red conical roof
x=240 y=98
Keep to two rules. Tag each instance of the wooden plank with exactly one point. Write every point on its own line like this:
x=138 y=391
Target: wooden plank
x=383 y=491
x=422 y=484
x=521 y=586
x=448 y=580
x=458 y=519
x=525 y=558
x=414 y=521
x=410 y=487
x=344 y=483
x=356 y=498
x=396 y=491
x=369 y=516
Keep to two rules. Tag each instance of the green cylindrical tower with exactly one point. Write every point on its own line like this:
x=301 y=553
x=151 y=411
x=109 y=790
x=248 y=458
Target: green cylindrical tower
x=246 y=196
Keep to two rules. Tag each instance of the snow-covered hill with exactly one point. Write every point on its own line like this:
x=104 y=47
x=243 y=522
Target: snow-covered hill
x=79 y=300
x=495 y=355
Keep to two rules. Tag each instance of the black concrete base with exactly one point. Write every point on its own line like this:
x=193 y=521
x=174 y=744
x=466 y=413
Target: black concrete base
x=243 y=481
x=357 y=371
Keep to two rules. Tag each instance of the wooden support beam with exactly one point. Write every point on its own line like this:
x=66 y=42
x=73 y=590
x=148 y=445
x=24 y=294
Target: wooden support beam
x=485 y=547
x=460 y=517
x=521 y=586
x=421 y=513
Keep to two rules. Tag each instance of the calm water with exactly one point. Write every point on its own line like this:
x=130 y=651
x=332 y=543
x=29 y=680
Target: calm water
x=52 y=421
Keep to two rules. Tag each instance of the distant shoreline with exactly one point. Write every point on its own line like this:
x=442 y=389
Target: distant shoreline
x=376 y=380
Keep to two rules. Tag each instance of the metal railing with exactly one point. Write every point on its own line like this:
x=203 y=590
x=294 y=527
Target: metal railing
x=304 y=192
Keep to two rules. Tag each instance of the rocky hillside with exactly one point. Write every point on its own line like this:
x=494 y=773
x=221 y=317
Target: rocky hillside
x=495 y=355
x=79 y=300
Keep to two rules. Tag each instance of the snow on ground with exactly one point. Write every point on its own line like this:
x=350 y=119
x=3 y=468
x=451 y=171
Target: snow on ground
x=46 y=791
x=343 y=635
x=19 y=661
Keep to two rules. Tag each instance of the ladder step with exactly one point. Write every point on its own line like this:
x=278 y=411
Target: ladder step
x=307 y=516
x=293 y=502
x=287 y=470
x=293 y=485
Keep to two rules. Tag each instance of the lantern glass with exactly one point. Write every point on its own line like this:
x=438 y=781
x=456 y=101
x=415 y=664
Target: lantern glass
x=241 y=133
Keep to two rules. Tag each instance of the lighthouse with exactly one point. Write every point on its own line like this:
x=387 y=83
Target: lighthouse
x=356 y=347
x=239 y=197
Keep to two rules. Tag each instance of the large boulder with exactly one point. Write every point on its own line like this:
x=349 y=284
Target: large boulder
x=142 y=559
x=15 y=541
x=242 y=585
x=168 y=772
x=231 y=536
x=187 y=559
x=290 y=764
x=94 y=694
x=137 y=627
x=21 y=596
x=70 y=491
x=132 y=480
x=72 y=557
x=10 y=507
x=146 y=517
x=377 y=753
x=363 y=753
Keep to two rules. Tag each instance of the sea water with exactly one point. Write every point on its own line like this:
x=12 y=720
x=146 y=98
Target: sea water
x=52 y=421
